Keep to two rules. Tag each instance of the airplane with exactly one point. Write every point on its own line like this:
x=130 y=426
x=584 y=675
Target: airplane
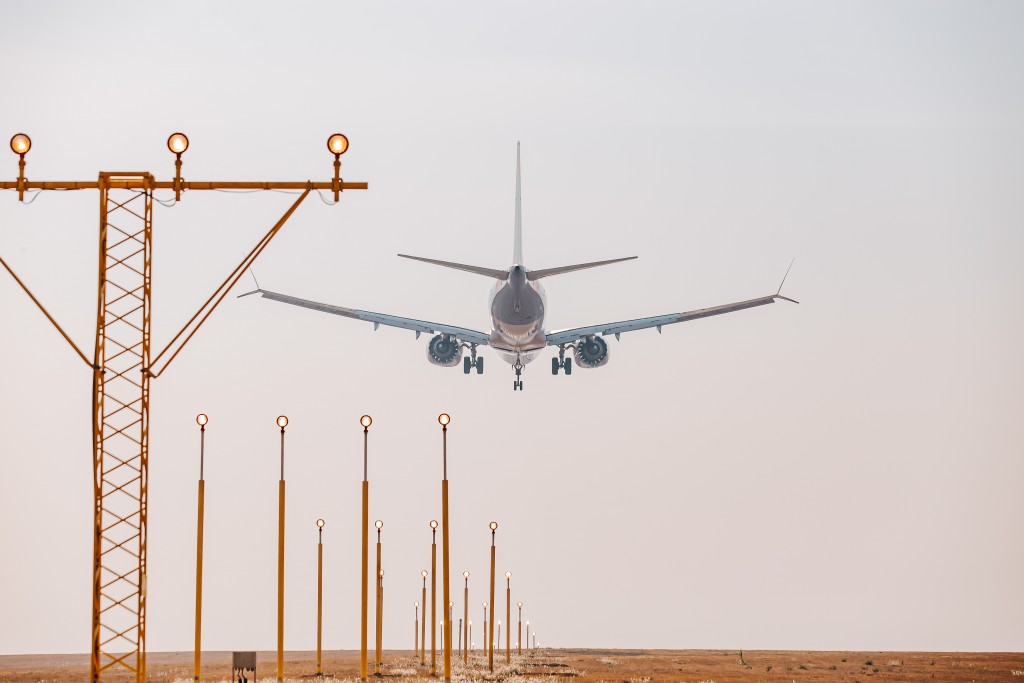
x=518 y=303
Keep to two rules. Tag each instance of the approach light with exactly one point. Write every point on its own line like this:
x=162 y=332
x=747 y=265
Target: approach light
x=494 y=526
x=379 y=524
x=520 y=605
x=21 y=144
x=201 y=419
x=337 y=144
x=444 y=419
x=416 y=604
x=177 y=143
x=423 y=573
x=508 y=575
x=320 y=524
x=366 y=421
x=282 y=421
x=465 y=575
x=433 y=524
x=382 y=573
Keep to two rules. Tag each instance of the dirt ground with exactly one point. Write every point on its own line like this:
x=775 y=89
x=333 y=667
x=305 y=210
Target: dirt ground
x=590 y=666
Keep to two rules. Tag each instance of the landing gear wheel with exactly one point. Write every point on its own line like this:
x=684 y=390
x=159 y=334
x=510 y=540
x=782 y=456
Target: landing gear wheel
x=568 y=366
x=518 y=384
x=465 y=365
x=554 y=366
x=479 y=366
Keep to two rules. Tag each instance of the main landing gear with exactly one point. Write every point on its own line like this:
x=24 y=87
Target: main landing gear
x=518 y=383
x=473 y=362
x=561 y=362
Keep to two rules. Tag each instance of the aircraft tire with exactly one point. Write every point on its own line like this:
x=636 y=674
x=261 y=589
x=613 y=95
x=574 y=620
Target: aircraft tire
x=554 y=366
x=465 y=365
x=479 y=366
x=568 y=366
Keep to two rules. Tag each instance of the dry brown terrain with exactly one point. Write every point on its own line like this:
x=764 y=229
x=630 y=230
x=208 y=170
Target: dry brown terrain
x=592 y=666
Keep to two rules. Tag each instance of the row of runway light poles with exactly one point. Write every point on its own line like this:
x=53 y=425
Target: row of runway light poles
x=445 y=624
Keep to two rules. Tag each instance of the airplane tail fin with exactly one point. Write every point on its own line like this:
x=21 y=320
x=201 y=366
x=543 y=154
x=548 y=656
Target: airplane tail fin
x=545 y=272
x=517 y=252
x=489 y=272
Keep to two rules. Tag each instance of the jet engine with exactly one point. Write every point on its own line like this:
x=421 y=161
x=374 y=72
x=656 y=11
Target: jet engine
x=591 y=352
x=444 y=350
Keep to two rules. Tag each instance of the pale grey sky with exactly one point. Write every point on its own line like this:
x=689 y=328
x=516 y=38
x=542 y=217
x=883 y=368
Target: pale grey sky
x=840 y=474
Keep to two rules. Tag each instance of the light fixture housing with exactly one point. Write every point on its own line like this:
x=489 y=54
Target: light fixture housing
x=366 y=421
x=465 y=575
x=433 y=524
x=337 y=144
x=282 y=421
x=493 y=526
x=177 y=143
x=423 y=573
x=202 y=419
x=379 y=524
x=508 y=575
x=21 y=144
x=320 y=524
x=444 y=419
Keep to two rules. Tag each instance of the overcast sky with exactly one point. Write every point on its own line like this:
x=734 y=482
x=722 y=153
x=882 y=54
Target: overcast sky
x=841 y=474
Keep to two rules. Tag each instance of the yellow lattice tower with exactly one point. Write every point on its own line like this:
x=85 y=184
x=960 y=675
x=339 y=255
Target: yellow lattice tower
x=122 y=369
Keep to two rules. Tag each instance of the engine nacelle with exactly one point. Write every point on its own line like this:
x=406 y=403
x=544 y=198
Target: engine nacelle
x=591 y=352
x=444 y=350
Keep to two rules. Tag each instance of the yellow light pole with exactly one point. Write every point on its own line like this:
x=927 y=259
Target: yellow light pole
x=423 y=628
x=380 y=621
x=121 y=368
x=433 y=597
x=282 y=422
x=527 y=635
x=201 y=420
x=465 y=618
x=416 y=630
x=490 y=650
x=319 y=596
x=365 y=421
x=444 y=419
x=499 y=633
x=469 y=635
x=485 y=628
x=376 y=662
x=508 y=618
x=519 y=634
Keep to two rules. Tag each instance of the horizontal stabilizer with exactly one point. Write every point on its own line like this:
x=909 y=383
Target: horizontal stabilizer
x=545 y=272
x=489 y=272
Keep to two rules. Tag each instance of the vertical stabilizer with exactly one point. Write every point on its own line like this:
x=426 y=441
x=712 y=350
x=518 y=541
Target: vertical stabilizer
x=517 y=256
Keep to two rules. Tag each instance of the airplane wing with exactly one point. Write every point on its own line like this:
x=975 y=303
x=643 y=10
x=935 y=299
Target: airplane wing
x=378 y=319
x=569 y=336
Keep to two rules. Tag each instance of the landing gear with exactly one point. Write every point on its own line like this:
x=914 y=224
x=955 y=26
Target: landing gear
x=518 y=383
x=561 y=362
x=472 y=361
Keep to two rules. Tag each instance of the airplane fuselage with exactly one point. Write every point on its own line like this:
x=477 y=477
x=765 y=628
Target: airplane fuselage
x=517 y=317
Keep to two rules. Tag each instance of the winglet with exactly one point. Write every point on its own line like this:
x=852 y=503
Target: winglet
x=785 y=276
x=778 y=294
x=255 y=291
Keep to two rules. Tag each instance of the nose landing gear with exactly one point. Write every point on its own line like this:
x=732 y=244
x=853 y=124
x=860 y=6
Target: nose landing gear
x=518 y=383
